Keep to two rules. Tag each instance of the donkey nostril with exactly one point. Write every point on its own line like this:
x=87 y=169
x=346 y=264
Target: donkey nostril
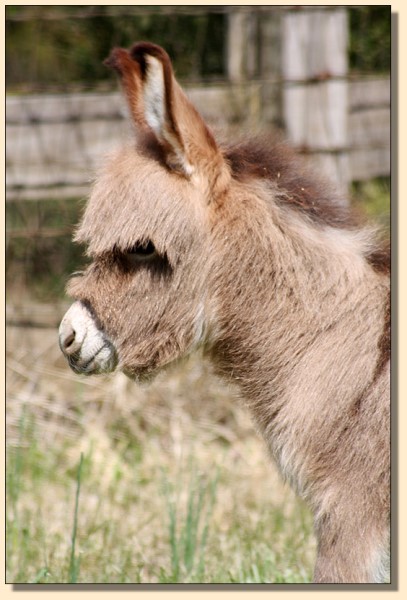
x=69 y=340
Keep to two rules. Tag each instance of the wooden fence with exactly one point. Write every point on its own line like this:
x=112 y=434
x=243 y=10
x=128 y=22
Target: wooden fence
x=54 y=143
x=287 y=69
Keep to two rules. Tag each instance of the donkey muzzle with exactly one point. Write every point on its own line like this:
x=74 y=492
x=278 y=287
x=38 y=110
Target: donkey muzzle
x=87 y=349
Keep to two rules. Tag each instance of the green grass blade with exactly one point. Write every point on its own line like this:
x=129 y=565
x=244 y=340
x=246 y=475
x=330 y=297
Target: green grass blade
x=74 y=562
x=204 y=537
x=42 y=574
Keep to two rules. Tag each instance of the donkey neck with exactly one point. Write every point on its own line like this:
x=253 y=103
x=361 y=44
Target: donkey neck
x=284 y=282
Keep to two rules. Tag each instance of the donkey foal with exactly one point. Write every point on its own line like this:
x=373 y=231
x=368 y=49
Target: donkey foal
x=239 y=251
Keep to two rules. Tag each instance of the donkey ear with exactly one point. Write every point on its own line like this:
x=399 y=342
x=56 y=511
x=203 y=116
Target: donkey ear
x=131 y=79
x=157 y=101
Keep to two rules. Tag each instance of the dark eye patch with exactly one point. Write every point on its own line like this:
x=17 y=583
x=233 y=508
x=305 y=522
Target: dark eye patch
x=142 y=251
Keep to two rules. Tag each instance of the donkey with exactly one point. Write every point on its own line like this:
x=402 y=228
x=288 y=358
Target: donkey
x=240 y=251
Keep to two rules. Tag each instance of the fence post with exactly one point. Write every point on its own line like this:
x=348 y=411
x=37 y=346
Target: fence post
x=270 y=46
x=315 y=88
x=242 y=61
x=241 y=52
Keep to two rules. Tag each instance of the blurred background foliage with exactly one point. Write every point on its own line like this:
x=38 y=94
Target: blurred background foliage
x=58 y=46
x=370 y=39
x=86 y=34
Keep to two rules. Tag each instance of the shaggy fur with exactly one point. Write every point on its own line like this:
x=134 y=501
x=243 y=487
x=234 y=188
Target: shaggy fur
x=258 y=263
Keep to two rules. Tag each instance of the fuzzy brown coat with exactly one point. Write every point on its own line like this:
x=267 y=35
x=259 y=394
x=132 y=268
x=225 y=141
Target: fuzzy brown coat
x=240 y=251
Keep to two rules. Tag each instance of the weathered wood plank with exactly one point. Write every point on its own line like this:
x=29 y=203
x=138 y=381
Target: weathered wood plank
x=223 y=105
x=54 y=144
x=58 y=142
x=52 y=154
x=35 y=314
x=57 y=108
x=370 y=128
x=229 y=100
x=368 y=93
x=366 y=163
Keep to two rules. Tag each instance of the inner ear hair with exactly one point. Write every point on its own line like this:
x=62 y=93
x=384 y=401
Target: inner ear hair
x=159 y=100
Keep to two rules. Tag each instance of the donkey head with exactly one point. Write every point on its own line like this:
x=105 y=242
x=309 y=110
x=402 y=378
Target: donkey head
x=142 y=302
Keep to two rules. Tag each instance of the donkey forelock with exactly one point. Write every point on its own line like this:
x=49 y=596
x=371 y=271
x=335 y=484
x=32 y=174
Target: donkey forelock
x=136 y=199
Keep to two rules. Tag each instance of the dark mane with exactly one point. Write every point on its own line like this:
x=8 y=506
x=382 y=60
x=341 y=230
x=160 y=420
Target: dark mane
x=303 y=189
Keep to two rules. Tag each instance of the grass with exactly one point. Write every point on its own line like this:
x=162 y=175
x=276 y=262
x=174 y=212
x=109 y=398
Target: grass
x=175 y=498
x=74 y=563
x=373 y=197
x=188 y=534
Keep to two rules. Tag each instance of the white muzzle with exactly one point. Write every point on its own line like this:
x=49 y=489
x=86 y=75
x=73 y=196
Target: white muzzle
x=87 y=348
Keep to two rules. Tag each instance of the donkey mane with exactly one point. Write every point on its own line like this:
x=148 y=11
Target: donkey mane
x=302 y=189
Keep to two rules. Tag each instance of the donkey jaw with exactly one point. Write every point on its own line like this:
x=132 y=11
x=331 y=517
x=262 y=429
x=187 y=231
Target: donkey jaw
x=163 y=352
x=87 y=349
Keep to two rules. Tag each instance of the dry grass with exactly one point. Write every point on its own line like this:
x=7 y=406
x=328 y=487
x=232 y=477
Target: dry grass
x=175 y=484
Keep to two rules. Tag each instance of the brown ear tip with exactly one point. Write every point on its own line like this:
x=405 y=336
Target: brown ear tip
x=139 y=50
x=116 y=59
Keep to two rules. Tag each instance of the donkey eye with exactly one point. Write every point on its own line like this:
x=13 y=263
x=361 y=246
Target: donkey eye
x=142 y=251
